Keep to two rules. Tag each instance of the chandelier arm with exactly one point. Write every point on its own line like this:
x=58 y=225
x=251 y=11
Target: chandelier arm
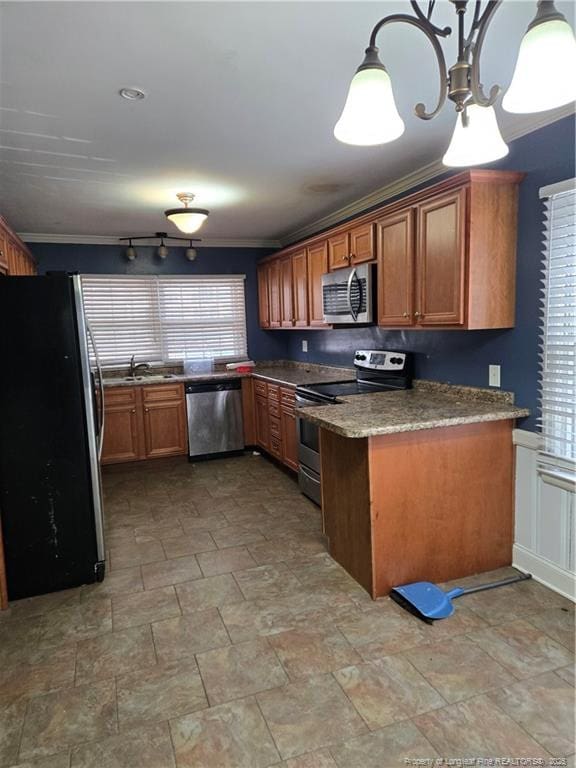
x=432 y=32
x=441 y=31
x=468 y=43
x=476 y=90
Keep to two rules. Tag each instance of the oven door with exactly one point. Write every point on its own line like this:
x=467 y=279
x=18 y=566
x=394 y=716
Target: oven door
x=308 y=444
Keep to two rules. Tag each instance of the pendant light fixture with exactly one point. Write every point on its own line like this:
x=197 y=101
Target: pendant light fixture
x=370 y=116
x=162 y=251
x=188 y=220
x=544 y=77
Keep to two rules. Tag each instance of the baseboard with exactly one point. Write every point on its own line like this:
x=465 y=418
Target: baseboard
x=544 y=571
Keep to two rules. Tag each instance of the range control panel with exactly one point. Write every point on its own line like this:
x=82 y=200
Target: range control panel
x=379 y=360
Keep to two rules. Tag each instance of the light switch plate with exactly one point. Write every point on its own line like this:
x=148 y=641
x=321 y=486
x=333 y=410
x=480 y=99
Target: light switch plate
x=304 y=345
x=494 y=375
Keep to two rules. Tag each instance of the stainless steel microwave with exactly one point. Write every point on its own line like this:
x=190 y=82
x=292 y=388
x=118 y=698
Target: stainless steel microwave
x=347 y=295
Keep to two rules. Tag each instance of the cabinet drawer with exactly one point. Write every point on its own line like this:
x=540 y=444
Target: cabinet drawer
x=119 y=396
x=275 y=429
x=260 y=388
x=287 y=397
x=275 y=446
x=273 y=392
x=154 y=393
x=273 y=409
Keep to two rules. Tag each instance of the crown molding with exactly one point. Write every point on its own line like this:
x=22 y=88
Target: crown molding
x=411 y=180
x=215 y=242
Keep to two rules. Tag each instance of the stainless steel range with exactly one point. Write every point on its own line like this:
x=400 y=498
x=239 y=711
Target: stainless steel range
x=376 y=371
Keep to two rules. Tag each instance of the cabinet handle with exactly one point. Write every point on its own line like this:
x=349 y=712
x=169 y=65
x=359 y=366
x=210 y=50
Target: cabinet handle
x=133 y=410
x=146 y=409
x=344 y=258
x=417 y=314
x=405 y=314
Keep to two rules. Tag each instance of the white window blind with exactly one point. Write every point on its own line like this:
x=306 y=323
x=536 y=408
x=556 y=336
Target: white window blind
x=166 y=318
x=558 y=339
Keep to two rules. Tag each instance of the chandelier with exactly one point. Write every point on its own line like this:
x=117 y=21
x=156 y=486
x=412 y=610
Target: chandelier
x=544 y=78
x=188 y=220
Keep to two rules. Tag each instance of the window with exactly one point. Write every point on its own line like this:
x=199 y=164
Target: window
x=558 y=347
x=166 y=318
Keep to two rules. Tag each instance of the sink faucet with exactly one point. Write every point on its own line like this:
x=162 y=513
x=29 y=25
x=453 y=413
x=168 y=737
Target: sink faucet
x=134 y=367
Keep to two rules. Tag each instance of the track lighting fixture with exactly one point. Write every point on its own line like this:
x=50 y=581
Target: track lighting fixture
x=162 y=251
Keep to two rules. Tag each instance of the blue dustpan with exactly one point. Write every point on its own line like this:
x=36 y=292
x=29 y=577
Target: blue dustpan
x=429 y=602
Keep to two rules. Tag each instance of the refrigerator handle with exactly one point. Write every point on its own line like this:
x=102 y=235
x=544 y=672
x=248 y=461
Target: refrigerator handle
x=101 y=387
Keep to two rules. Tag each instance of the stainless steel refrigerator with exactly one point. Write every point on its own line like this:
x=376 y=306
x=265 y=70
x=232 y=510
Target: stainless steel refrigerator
x=51 y=431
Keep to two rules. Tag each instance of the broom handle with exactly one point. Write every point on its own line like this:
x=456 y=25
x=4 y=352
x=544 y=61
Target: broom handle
x=504 y=582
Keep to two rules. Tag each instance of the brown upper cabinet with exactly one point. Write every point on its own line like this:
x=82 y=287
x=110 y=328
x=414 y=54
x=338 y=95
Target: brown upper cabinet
x=317 y=266
x=446 y=257
x=300 y=288
x=15 y=258
x=274 y=296
x=286 y=303
x=263 y=296
x=354 y=246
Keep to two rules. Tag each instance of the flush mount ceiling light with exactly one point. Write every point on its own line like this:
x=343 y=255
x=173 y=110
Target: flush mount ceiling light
x=162 y=250
x=187 y=219
x=543 y=79
x=132 y=94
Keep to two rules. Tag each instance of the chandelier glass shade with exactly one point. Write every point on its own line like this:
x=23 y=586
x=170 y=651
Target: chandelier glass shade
x=476 y=138
x=547 y=52
x=369 y=116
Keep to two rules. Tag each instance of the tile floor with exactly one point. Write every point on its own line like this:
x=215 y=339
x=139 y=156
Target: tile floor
x=224 y=636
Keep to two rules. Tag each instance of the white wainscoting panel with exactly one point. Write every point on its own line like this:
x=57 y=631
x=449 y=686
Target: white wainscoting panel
x=544 y=542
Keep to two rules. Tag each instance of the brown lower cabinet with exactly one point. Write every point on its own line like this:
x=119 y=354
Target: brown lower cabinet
x=144 y=422
x=276 y=422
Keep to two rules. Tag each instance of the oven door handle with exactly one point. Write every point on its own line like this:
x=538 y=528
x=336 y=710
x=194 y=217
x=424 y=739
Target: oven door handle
x=307 y=474
x=349 y=295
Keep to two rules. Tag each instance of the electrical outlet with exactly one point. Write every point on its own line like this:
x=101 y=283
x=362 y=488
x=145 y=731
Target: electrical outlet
x=494 y=375
x=304 y=345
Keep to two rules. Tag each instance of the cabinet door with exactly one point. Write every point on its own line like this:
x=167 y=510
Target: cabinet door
x=289 y=438
x=262 y=424
x=362 y=244
x=338 y=251
x=440 y=262
x=122 y=430
x=263 y=297
x=395 y=235
x=165 y=429
x=300 y=289
x=286 y=303
x=274 y=293
x=317 y=266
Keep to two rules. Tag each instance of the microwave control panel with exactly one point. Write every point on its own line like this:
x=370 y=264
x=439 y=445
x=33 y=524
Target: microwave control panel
x=378 y=360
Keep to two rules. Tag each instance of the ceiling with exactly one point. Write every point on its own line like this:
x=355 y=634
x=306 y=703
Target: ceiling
x=242 y=100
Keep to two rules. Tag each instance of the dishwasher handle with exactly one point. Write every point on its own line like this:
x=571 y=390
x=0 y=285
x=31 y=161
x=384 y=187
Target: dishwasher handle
x=195 y=387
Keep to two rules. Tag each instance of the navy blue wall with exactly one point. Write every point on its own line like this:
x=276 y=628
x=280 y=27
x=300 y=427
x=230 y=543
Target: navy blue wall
x=462 y=357
x=109 y=259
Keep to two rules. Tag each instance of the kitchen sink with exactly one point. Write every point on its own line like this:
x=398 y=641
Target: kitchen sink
x=149 y=377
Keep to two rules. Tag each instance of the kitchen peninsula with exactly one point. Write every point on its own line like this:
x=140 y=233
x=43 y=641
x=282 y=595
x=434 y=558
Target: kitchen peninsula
x=418 y=485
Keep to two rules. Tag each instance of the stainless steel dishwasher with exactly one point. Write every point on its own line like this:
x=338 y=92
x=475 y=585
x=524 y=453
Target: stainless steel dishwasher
x=214 y=418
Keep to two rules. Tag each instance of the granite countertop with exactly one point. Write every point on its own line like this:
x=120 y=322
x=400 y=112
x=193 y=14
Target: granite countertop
x=429 y=405
x=289 y=373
